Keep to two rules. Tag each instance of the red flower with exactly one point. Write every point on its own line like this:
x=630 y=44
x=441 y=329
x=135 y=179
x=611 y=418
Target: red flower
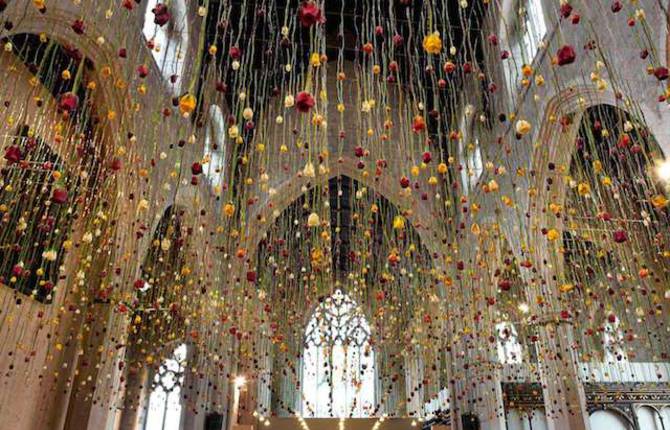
x=161 y=14
x=68 y=102
x=59 y=196
x=617 y=6
x=196 y=168
x=13 y=154
x=304 y=102
x=566 y=10
x=426 y=157
x=661 y=73
x=142 y=70
x=620 y=236
x=418 y=124
x=566 y=55
x=404 y=182
x=398 y=40
x=251 y=276
x=115 y=164
x=235 y=53
x=78 y=26
x=505 y=284
x=310 y=14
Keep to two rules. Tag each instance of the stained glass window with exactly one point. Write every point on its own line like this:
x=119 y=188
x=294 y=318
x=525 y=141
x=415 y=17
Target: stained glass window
x=338 y=366
x=164 y=411
x=509 y=348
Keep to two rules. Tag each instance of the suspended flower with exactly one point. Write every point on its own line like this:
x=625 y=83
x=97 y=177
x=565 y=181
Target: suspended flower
x=398 y=222
x=187 y=104
x=418 y=124
x=50 y=255
x=659 y=201
x=309 y=14
x=229 y=209
x=304 y=102
x=553 y=234
x=313 y=220
x=505 y=285
x=523 y=127
x=661 y=73
x=59 y=196
x=161 y=14
x=78 y=26
x=13 y=154
x=620 y=236
x=68 y=102
x=432 y=43
x=566 y=55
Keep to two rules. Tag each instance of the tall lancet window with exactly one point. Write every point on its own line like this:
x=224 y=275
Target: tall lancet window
x=164 y=411
x=510 y=350
x=338 y=361
x=166 y=30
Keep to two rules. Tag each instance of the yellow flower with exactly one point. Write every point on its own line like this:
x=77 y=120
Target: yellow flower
x=229 y=209
x=553 y=234
x=187 y=104
x=313 y=220
x=566 y=288
x=315 y=59
x=523 y=127
x=398 y=222
x=442 y=168
x=432 y=43
x=584 y=189
x=659 y=201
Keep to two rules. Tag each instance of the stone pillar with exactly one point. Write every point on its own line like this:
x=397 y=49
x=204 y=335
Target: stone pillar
x=135 y=396
x=475 y=382
x=564 y=398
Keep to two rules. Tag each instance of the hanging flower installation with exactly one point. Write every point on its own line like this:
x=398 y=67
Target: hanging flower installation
x=480 y=184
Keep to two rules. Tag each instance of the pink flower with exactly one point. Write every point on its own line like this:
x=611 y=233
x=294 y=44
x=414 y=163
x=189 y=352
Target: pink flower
x=310 y=14
x=304 y=102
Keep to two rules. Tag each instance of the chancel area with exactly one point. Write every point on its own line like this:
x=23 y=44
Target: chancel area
x=334 y=215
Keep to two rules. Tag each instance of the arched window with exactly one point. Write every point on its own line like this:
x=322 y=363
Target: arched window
x=338 y=366
x=525 y=30
x=164 y=411
x=509 y=348
x=613 y=340
x=609 y=420
x=167 y=33
x=649 y=418
x=39 y=218
x=470 y=155
x=214 y=147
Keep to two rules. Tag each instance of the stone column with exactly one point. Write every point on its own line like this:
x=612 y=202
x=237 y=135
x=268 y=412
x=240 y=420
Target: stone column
x=475 y=382
x=564 y=398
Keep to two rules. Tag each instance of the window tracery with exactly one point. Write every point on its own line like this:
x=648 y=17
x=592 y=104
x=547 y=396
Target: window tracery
x=338 y=367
